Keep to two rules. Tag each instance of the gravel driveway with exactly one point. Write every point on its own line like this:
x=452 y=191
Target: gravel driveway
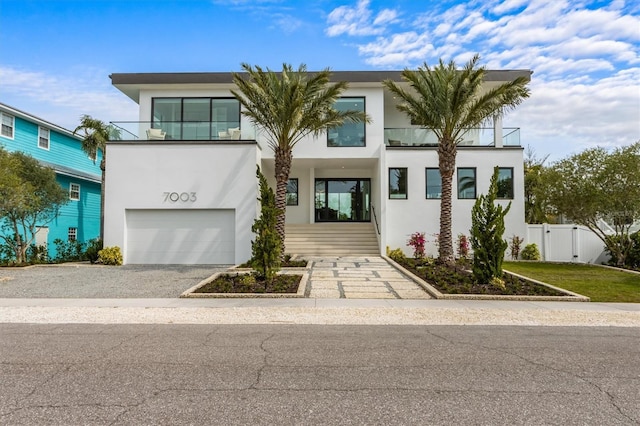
x=88 y=281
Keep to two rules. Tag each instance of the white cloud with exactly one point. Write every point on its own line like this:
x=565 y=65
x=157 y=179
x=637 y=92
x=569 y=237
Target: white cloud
x=62 y=100
x=358 y=20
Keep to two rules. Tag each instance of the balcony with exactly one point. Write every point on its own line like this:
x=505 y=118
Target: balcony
x=473 y=137
x=182 y=131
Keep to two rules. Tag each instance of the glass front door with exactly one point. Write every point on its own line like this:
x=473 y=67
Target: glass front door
x=343 y=200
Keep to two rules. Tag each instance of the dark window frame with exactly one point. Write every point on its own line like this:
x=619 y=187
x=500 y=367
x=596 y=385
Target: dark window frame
x=291 y=193
x=475 y=183
x=401 y=196
x=364 y=124
x=511 y=194
x=426 y=183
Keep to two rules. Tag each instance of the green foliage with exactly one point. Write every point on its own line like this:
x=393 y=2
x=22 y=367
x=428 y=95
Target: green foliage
x=110 y=256
x=535 y=200
x=37 y=254
x=515 y=246
x=416 y=241
x=530 y=252
x=30 y=196
x=93 y=247
x=68 y=251
x=595 y=186
x=632 y=257
x=487 y=228
x=462 y=246
x=449 y=102
x=396 y=255
x=265 y=249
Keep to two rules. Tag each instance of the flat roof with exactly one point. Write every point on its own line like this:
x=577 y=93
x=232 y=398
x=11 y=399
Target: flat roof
x=131 y=83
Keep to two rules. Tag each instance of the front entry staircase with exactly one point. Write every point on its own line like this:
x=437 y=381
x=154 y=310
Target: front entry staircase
x=331 y=239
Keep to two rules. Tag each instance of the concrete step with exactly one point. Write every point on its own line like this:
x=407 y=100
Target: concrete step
x=331 y=239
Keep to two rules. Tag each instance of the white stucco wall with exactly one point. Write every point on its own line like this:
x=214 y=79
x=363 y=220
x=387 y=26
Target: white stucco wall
x=418 y=214
x=222 y=176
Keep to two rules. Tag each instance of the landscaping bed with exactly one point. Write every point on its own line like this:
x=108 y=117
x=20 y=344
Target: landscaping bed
x=457 y=282
x=248 y=284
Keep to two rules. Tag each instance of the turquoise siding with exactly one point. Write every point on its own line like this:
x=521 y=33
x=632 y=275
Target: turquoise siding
x=64 y=151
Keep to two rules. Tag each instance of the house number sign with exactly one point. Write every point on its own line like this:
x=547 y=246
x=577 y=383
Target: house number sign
x=183 y=197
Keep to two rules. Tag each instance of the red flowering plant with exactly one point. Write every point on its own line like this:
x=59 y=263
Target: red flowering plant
x=417 y=241
x=463 y=246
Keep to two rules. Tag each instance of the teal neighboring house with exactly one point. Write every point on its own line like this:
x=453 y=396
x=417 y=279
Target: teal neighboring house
x=61 y=150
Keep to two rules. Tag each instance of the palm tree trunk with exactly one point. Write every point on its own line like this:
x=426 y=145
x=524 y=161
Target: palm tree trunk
x=446 y=164
x=283 y=159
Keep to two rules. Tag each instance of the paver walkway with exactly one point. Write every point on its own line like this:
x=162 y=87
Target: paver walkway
x=368 y=277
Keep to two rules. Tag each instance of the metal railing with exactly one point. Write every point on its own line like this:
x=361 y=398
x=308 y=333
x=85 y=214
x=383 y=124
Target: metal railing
x=375 y=218
x=484 y=136
x=184 y=130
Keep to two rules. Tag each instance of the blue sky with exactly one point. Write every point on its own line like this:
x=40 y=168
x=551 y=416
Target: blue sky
x=56 y=56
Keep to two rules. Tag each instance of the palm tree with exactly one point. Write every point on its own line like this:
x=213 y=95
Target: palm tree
x=449 y=103
x=95 y=137
x=287 y=107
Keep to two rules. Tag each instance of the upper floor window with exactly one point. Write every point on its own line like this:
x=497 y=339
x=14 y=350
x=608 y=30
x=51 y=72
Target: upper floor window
x=74 y=191
x=8 y=124
x=505 y=182
x=349 y=134
x=398 y=183
x=466 y=182
x=43 y=137
x=292 y=192
x=433 y=183
x=196 y=118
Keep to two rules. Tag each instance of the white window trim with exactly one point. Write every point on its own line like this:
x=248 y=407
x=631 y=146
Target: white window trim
x=72 y=231
x=71 y=191
x=13 y=125
x=40 y=137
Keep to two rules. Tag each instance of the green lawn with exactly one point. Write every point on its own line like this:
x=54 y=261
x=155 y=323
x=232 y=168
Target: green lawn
x=600 y=284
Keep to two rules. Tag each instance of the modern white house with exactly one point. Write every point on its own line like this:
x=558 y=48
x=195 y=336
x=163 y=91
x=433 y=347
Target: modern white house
x=186 y=191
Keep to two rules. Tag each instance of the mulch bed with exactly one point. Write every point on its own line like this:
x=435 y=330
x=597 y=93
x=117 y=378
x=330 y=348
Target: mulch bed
x=459 y=280
x=251 y=283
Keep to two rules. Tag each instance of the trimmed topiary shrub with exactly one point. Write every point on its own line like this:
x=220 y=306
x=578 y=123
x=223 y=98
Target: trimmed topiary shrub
x=265 y=249
x=530 y=252
x=110 y=256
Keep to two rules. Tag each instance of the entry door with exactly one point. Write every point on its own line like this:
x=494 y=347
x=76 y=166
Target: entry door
x=343 y=200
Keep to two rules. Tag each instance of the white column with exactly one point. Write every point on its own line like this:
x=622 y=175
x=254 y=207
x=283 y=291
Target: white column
x=312 y=191
x=497 y=131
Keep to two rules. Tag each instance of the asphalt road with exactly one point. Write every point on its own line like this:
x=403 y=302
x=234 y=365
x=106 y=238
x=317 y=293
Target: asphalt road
x=298 y=374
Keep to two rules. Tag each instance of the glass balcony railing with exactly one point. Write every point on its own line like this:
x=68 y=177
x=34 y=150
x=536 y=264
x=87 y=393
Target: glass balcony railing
x=181 y=130
x=473 y=137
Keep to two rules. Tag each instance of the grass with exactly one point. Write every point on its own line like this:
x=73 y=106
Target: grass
x=599 y=284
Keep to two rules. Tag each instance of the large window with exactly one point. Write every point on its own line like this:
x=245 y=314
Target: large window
x=398 y=183
x=466 y=182
x=433 y=183
x=8 y=124
x=43 y=137
x=349 y=134
x=197 y=118
x=505 y=182
x=292 y=192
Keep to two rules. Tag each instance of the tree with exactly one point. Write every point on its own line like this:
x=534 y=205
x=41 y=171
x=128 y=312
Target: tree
x=449 y=103
x=96 y=134
x=487 y=229
x=30 y=196
x=287 y=107
x=265 y=249
x=535 y=205
x=599 y=189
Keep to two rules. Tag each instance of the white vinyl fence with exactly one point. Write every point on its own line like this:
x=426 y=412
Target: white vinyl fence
x=566 y=243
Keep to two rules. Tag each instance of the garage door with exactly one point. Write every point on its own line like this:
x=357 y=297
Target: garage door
x=180 y=237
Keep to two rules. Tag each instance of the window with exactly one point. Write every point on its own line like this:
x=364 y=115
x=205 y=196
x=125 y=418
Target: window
x=434 y=183
x=292 y=192
x=74 y=191
x=8 y=124
x=505 y=183
x=398 y=183
x=349 y=134
x=43 y=137
x=73 y=234
x=467 y=182
x=196 y=118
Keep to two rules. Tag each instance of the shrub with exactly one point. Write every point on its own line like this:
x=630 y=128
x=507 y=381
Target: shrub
x=530 y=252
x=68 y=251
x=487 y=228
x=417 y=242
x=93 y=248
x=265 y=249
x=516 y=244
x=37 y=254
x=110 y=256
x=463 y=246
x=632 y=258
x=396 y=255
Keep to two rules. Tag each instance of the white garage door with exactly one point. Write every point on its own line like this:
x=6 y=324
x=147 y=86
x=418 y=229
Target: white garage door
x=180 y=237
